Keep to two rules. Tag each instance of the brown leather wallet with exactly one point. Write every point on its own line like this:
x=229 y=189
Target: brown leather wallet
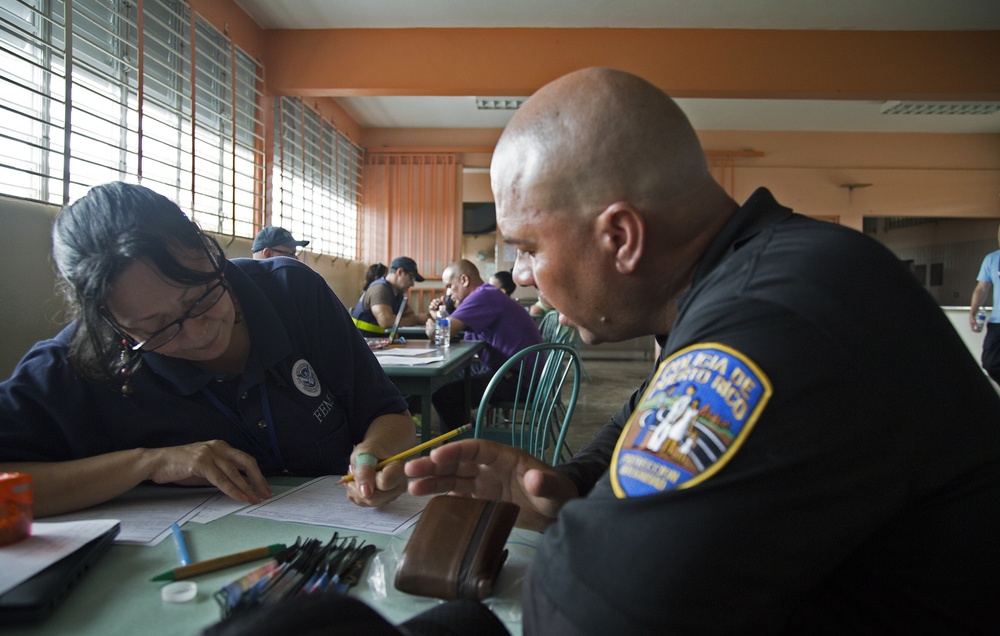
x=456 y=549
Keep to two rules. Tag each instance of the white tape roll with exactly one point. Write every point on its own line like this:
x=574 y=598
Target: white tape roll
x=179 y=592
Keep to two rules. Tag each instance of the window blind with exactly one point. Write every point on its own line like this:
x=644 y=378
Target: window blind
x=316 y=187
x=148 y=91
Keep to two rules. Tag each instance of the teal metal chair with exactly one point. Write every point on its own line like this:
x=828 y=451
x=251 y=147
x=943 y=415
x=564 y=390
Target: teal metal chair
x=553 y=331
x=537 y=419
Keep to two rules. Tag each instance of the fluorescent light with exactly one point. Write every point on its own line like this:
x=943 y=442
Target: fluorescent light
x=499 y=103
x=940 y=108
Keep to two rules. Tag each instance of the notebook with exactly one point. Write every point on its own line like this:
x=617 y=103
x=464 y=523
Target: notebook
x=37 y=597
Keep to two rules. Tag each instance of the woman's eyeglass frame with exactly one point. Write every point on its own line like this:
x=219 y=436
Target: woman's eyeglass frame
x=157 y=339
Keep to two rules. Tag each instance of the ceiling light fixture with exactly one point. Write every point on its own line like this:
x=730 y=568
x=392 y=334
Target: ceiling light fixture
x=499 y=103
x=939 y=108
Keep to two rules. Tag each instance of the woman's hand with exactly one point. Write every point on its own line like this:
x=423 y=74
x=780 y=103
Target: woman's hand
x=387 y=435
x=375 y=487
x=213 y=463
x=490 y=470
x=61 y=487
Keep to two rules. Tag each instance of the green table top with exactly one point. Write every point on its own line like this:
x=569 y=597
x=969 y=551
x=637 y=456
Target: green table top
x=117 y=597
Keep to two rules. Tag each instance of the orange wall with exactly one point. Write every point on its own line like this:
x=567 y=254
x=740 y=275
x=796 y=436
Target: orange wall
x=684 y=62
x=229 y=18
x=911 y=174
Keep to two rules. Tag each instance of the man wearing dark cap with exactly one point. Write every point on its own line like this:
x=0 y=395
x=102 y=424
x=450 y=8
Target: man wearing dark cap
x=376 y=309
x=274 y=241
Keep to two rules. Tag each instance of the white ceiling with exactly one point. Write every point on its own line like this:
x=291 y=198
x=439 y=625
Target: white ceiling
x=705 y=114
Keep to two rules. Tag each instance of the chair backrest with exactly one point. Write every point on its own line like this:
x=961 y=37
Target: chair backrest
x=537 y=419
x=552 y=331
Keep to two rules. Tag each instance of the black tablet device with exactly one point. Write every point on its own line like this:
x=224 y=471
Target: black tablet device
x=35 y=598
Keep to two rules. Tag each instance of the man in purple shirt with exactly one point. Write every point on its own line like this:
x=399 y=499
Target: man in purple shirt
x=484 y=313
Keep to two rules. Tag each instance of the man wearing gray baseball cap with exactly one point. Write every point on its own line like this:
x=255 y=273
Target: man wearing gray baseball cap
x=274 y=241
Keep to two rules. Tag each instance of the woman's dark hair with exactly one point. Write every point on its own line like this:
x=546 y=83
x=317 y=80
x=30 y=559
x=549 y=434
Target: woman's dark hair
x=507 y=283
x=375 y=272
x=98 y=237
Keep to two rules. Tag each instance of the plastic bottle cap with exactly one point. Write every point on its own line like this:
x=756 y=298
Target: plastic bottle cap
x=179 y=591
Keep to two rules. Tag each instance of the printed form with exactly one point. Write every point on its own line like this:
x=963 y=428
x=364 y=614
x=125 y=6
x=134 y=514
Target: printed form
x=324 y=502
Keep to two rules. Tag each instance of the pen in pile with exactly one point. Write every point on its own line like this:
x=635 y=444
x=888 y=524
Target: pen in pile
x=306 y=567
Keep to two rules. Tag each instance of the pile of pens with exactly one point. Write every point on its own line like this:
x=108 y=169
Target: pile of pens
x=305 y=567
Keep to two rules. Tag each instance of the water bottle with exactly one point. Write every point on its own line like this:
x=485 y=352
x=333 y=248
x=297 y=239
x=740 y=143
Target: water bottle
x=442 y=327
x=980 y=318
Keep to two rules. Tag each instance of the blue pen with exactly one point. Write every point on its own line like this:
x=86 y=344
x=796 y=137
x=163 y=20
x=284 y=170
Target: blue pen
x=182 y=551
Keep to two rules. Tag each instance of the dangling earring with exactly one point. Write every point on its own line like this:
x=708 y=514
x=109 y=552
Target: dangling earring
x=126 y=367
x=236 y=307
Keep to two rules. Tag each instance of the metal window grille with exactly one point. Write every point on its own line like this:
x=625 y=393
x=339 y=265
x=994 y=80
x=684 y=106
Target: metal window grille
x=93 y=91
x=316 y=191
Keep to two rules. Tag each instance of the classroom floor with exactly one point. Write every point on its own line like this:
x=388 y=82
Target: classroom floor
x=610 y=383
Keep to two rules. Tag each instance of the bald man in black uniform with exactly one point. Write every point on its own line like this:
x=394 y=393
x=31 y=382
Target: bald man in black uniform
x=842 y=472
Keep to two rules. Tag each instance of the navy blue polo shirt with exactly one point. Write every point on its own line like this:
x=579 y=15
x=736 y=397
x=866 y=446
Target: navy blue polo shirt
x=309 y=391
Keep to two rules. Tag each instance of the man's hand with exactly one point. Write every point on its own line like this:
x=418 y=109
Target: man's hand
x=490 y=470
x=432 y=306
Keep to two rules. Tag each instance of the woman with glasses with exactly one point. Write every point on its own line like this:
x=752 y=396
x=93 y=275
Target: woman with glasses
x=182 y=367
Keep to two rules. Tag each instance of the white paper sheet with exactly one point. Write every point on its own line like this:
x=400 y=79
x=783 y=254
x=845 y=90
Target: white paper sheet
x=217 y=507
x=400 y=351
x=146 y=512
x=48 y=543
x=324 y=502
x=406 y=361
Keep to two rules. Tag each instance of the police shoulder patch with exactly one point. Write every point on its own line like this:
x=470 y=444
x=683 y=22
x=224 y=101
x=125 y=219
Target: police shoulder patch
x=693 y=417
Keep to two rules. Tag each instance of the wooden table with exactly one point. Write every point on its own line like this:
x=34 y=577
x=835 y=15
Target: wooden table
x=424 y=379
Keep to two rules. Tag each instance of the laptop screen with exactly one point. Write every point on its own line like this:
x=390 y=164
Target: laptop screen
x=399 y=317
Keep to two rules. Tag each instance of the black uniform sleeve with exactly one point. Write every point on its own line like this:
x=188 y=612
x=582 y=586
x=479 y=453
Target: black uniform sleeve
x=590 y=463
x=46 y=412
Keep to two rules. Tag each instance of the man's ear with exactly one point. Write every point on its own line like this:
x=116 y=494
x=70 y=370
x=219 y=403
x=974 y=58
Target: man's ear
x=622 y=231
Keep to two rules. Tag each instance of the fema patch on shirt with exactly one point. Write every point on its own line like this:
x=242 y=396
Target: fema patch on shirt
x=305 y=378
x=691 y=420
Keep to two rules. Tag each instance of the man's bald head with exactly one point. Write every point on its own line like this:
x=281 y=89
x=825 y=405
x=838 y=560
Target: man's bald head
x=460 y=279
x=597 y=136
x=601 y=166
x=465 y=267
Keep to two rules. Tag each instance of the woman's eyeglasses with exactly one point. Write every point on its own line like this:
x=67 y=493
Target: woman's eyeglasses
x=162 y=336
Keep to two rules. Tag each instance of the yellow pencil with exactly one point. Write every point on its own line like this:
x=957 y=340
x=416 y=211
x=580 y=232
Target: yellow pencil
x=413 y=451
x=218 y=563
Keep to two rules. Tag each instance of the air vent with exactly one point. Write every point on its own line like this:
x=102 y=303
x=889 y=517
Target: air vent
x=940 y=108
x=899 y=222
x=499 y=103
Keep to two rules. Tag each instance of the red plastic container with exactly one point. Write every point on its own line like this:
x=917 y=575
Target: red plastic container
x=16 y=499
